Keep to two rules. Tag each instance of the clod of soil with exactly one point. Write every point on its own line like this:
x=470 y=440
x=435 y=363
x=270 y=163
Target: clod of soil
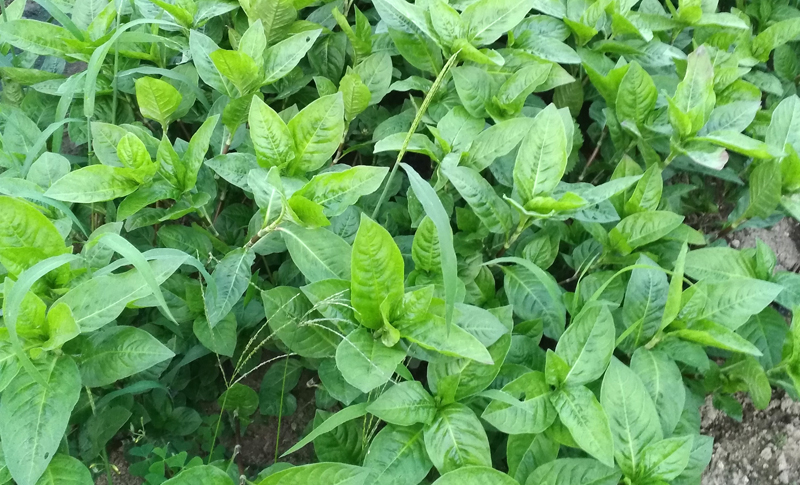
x=783 y=238
x=120 y=476
x=764 y=449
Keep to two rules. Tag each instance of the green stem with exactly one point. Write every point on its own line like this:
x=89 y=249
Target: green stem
x=107 y=465
x=420 y=113
x=523 y=224
x=280 y=410
x=114 y=100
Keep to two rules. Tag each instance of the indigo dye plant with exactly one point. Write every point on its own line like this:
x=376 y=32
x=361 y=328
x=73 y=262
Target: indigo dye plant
x=490 y=234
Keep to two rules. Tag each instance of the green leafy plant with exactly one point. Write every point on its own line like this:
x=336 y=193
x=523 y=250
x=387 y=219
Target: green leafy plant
x=491 y=233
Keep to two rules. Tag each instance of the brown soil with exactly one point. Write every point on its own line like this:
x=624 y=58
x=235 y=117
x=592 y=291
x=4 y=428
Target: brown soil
x=763 y=449
x=258 y=442
x=119 y=471
x=783 y=238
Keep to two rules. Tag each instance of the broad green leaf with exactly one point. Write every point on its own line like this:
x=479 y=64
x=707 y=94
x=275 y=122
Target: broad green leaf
x=729 y=303
x=376 y=271
x=486 y=20
x=718 y=263
x=416 y=144
x=403 y=16
x=275 y=16
x=456 y=439
x=254 y=43
x=755 y=378
x=647 y=193
x=766 y=330
x=533 y=414
x=418 y=49
x=482 y=324
x=643 y=228
x=318 y=253
x=470 y=377
x=132 y=153
x=317 y=131
x=361 y=37
x=695 y=94
x=397 y=455
x=542 y=157
x=335 y=420
x=513 y=93
x=239 y=398
x=631 y=414
x=271 y=137
x=286 y=54
x=474 y=86
x=291 y=317
x=233 y=167
x=496 y=141
x=100 y=428
x=666 y=459
x=48 y=168
x=335 y=383
x=239 y=68
x=344 y=444
x=637 y=95
x=549 y=49
x=574 y=471
x=200 y=475
x=327 y=473
x=587 y=344
x=221 y=338
x=26 y=236
x=426 y=250
x=118 y=290
x=459 y=128
x=740 y=143
x=365 y=362
x=95 y=183
x=157 y=99
x=481 y=197
x=534 y=294
x=446 y=22
x=735 y=116
x=475 y=475
x=201 y=47
x=586 y=421
x=711 y=334
x=355 y=94
x=332 y=299
x=784 y=124
x=773 y=36
x=664 y=383
x=66 y=470
x=118 y=352
x=404 y=404
x=42 y=38
x=196 y=152
x=336 y=191
x=231 y=276
x=526 y=452
x=33 y=417
x=432 y=333
x=645 y=301
x=764 y=190
x=9 y=365
x=376 y=73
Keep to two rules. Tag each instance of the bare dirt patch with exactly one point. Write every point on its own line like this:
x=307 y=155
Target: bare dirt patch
x=763 y=449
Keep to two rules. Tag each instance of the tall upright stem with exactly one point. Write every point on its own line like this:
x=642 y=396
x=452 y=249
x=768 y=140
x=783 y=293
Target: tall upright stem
x=420 y=113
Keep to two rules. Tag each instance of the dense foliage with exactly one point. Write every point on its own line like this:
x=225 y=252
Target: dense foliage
x=490 y=232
